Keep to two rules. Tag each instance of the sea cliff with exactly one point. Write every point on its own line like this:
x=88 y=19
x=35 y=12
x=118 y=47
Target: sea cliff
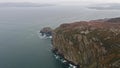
x=89 y=44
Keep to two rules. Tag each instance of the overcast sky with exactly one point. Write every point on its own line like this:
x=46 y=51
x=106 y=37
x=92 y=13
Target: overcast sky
x=65 y=1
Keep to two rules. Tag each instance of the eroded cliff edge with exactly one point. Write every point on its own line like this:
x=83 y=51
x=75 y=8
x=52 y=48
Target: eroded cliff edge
x=93 y=44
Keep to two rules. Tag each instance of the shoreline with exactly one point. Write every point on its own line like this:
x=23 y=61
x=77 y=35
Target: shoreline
x=61 y=58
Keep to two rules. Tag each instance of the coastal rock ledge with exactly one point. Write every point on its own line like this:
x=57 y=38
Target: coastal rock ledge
x=89 y=44
x=46 y=32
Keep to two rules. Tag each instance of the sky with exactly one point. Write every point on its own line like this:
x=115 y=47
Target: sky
x=65 y=1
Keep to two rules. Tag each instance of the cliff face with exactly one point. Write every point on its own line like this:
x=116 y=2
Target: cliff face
x=93 y=44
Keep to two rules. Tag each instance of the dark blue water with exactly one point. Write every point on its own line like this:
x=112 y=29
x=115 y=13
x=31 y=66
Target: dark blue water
x=20 y=42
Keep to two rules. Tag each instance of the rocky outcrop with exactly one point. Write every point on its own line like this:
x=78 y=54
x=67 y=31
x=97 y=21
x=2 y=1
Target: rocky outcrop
x=46 y=31
x=93 y=44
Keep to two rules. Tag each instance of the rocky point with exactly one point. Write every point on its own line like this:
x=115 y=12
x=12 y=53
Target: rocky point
x=89 y=44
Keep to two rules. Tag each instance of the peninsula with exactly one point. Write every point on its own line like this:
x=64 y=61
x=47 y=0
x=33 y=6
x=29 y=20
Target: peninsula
x=89 y=44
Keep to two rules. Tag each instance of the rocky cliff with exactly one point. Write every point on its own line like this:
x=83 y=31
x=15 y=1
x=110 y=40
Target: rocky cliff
x=89 y=44
x=46 y=31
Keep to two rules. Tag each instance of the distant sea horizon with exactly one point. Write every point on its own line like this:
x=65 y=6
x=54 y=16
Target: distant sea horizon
x=24 y=4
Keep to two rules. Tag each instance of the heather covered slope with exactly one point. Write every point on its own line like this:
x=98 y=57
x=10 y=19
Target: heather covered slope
x=93 y=44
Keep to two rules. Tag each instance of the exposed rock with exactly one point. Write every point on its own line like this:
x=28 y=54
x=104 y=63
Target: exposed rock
x=46 y=31
x=89 y=44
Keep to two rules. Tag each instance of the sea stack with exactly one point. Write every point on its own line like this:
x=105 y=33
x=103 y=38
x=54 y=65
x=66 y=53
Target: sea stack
x=89 y=44
x=46 y=31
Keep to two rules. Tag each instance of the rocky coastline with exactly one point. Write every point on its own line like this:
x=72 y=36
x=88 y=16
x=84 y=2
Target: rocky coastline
x=61 y=58
x=88 y=44
x=46 y=32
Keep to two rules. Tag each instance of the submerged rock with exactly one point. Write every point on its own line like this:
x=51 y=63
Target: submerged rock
x=93 y=44
x=46 y=31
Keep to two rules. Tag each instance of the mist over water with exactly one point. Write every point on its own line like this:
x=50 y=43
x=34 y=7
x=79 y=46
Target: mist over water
x=20 y=44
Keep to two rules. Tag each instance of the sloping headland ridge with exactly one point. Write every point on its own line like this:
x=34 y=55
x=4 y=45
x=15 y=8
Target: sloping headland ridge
x=89 y=44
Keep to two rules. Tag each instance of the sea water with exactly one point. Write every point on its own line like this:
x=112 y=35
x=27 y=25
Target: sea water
x=20 y=42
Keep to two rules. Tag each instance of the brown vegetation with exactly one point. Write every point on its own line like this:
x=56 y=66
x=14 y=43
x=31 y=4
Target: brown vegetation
x=92 y=44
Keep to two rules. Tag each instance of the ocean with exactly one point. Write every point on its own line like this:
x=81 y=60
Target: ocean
x=20 y=43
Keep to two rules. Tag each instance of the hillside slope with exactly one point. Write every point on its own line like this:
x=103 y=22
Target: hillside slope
x=93 y=44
